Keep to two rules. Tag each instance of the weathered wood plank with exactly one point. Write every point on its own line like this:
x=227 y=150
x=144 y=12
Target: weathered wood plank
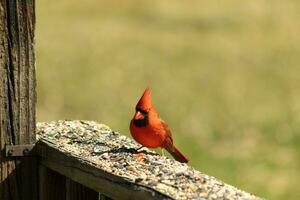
x=76 y=191
x=86 y=174
x=18 y=176
x=103 y=197
x=108 y=162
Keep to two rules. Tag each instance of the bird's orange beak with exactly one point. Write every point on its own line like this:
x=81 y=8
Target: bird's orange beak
x=138 y=115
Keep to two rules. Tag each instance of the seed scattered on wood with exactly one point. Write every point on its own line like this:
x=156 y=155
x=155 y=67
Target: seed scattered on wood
x=115 y=153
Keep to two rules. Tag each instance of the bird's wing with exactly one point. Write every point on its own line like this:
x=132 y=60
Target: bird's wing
x=167 y=129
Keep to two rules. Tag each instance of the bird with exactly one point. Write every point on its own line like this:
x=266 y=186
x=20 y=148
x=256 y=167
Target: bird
x=149 y=130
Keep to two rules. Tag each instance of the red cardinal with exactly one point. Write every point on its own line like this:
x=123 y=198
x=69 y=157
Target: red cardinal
x=148 y=129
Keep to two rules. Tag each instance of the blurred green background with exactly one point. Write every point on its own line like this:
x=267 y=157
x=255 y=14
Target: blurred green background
x=225 y=75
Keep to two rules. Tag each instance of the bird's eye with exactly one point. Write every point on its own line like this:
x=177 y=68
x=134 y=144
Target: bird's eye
x=144 y=112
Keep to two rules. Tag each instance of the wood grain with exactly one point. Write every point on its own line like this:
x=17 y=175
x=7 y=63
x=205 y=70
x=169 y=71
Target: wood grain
x=18 y=177
x=76 y=191
x=52 y=185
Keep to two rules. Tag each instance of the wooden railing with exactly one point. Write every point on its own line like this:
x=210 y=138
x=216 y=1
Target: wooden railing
x=83 y=158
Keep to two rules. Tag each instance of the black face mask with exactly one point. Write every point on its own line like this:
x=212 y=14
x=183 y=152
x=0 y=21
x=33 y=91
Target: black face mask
x=142 y=122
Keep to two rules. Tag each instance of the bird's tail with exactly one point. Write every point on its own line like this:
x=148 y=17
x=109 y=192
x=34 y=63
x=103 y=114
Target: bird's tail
x=177 y=155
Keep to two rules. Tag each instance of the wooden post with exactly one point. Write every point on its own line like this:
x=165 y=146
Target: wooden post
x=18 y=176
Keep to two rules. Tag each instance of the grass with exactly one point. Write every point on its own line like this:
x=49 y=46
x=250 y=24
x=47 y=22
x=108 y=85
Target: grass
x=224 y=75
